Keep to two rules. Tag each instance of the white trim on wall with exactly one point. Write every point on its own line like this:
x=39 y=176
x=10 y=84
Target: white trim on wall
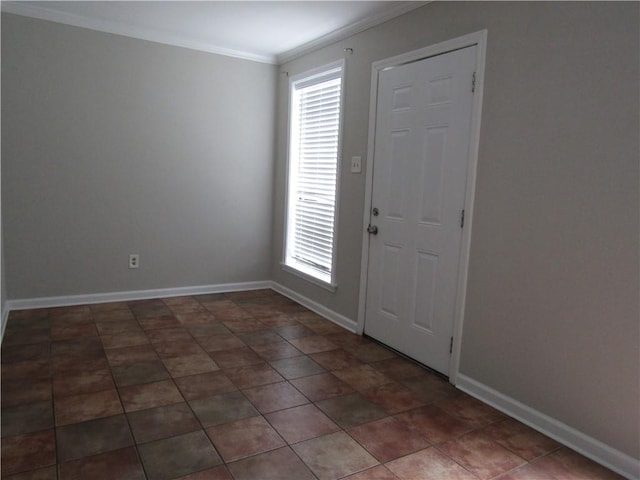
x=321 y=310
x=64 y=301
x=476 y=38
x=599 y=452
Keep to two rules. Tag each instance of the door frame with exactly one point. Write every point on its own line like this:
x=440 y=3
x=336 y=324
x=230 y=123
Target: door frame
x=480 y=40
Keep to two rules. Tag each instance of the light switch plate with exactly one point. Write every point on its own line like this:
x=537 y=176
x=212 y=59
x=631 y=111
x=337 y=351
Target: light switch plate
x=356 y=164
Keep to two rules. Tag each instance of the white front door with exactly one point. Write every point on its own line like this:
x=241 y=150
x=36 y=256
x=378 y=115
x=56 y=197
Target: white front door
x=420 y=160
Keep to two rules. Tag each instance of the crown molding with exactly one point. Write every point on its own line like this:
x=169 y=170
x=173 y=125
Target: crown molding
x=400 y=9
x=160 y=36
x=117 y=28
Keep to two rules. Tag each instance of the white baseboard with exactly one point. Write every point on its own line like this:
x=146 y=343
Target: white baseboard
x=63 y=301
x=611 y=458
x=321 y=310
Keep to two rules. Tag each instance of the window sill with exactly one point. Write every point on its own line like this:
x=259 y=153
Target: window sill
x=332 y=287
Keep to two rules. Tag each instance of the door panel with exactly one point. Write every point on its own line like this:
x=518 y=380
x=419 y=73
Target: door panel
x=423 y=120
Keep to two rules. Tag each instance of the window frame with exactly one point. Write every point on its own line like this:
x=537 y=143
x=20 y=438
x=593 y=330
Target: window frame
x=288 y=264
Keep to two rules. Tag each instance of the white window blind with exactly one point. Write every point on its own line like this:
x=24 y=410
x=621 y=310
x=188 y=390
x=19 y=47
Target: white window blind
x=313 y=165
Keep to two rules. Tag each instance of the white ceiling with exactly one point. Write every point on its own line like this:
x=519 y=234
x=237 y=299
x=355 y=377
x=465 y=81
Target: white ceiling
x=265 y=31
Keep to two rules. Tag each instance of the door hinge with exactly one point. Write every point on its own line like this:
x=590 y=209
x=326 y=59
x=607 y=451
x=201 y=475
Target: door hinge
x=451 y=346
x=461 y=218
x=473 y=82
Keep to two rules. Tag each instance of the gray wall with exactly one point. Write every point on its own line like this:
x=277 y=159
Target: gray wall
x=552 y=308
x=112 y=146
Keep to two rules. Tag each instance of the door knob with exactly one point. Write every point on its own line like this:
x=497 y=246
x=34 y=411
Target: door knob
x=372 y=229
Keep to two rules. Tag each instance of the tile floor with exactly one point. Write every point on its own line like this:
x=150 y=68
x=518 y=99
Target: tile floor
x=245 y=385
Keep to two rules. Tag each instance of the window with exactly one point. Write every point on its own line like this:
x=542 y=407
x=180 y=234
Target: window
x=314 y=144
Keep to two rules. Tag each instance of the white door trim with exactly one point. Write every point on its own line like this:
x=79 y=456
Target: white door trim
x=476 y=38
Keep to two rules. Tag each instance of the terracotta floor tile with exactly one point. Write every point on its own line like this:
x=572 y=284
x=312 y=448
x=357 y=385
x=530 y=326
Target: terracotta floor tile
x=372 y=353
x=194 y=319
x=115 y=315
x=276 y=396
x=348 y=341
x=238 y=357
x=128 y=355
x=215 y=473
x=208 y=329
x=65 y=332
x=436 y=425
x=430 y=388
x=26 y=418
x=46 y=473
x=150 y=311
x=204 y=385
x=178 y=456
x=388 y=439
x=350 y=410
x=565 y=464
x=87 y=406
x=290 y=332
x=25 y=390
x=334 y=456
x=520 y=439
x=28 y=452
x=86 y=382
x=137 y=373
x=253 y=375
x=188 y=309
x=301 y=423
x=178 y=349
x=69 y=359
x=121 y=326
x=124 y=339
x=26 y=337
x=393 y=397
x=399 y=368
x=278 y=320
x=276 y=351
x=190 y=365
x=428 y=464
x=162 y=422
x=174 y=334
x=336 y=359
x=261 y=337
x=376 y=473
x=32 y=369
x=322 y=386
x=222 y=408
x=296 y=367
x=78 y=347
x=362 y=377
x=530 y=471
x=323 y=327
x=470 y=410
x=217 y=343
x=275 y=465
x=149 y=395
x=69 y=365
x=243 y=325
x=244 y=438
x=313 y=344
x=481 y=456
x=121 y=464
x=90 y=438
x=25 y=353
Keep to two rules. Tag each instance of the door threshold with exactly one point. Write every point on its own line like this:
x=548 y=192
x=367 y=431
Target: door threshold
x=403 y=355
